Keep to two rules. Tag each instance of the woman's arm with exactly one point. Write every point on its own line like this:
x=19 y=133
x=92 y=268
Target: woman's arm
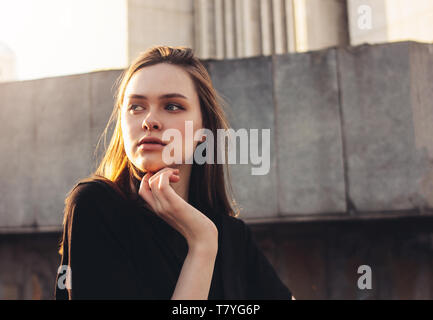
x=199 y=231
x=196 y=275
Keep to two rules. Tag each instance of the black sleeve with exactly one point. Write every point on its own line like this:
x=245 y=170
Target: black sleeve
x=263 y=281
x=100 y=265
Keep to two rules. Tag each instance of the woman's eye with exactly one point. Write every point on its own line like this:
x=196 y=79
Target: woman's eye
x=134 y=106
x=170 y=105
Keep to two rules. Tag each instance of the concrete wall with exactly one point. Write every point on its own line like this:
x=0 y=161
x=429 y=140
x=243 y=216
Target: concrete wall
x=349 y=130
x=315 y=260
x=51 y=127
x=28 y=265
x=350 y=135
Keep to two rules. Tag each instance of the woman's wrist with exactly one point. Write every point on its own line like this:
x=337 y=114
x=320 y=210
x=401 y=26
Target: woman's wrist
x=196 y=275
x=203 y=237
x=206 y=249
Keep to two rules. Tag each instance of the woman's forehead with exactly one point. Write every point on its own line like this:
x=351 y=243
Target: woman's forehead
x=154 y=81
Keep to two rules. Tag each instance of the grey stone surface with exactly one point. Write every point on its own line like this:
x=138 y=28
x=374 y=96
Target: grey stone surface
x=310 y=157
x=102 y=96
x=315 y=260
x=48 y=143
x=389 y=157
x=421 y=75
x=381 y=133
x=28 y=266
x=246 y=85
x=399 y=254
x=62 y=142
x=17 y=143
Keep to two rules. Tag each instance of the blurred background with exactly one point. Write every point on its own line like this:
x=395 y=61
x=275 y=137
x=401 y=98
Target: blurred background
x=346 y=87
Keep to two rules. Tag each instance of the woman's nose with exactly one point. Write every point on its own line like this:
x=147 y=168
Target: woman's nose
x=151 y=124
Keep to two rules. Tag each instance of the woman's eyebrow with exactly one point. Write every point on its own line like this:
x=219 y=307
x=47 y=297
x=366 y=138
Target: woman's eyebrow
x=164 y=96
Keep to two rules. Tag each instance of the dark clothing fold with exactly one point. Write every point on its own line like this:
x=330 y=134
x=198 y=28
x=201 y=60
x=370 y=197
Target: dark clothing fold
x=118 y=250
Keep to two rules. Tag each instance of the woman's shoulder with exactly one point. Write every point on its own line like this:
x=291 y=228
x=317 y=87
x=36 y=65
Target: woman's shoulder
x=94 y=209
x=95 y=189
x=235 y=222
x=95 y=201
x=235 y=226
x=95 y=197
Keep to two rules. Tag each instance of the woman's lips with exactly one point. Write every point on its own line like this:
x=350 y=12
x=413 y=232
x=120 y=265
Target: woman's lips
x=150 y=146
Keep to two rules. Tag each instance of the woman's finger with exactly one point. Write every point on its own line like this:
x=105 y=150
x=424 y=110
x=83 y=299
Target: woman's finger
x=159 y=184
x=153 y=184
x=163 y=191
x=166 y=197
x=145 y=192
x=156 y=176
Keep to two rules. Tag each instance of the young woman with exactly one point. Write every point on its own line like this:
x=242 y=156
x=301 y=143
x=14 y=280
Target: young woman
x=140 y=227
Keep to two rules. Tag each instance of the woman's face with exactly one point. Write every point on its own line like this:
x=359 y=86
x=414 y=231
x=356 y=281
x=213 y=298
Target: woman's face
x=158 y=98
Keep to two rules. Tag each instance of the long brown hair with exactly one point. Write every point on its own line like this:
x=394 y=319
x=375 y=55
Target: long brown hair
x=210 y=187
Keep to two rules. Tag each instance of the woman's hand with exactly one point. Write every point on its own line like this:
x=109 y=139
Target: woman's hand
x=199 y=231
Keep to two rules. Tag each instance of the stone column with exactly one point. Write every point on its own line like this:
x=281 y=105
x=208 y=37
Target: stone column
x=246 y=28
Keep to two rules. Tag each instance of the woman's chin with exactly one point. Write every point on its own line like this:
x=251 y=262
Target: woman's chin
x=152 y=166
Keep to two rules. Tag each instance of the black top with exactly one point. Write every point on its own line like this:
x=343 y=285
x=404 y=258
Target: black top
x=118 y=250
